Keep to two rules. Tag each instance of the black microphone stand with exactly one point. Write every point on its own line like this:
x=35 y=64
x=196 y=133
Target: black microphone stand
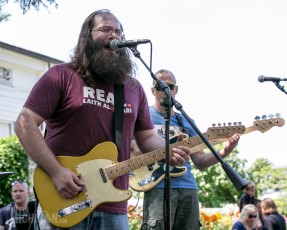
x=166 y=103
x=281 y=87
x=235 y=178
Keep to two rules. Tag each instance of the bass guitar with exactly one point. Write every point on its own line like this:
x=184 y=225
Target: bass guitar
x=98 y=169
x=146 y=178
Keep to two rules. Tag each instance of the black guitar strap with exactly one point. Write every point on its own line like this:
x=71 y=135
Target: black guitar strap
x=118 y=113
x=179 y=119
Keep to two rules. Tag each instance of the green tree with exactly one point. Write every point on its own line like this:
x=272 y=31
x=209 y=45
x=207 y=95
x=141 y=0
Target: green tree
x=12 y=159
x=25 y=5
x=268 y=180
x=259 y=173
x=215 y=188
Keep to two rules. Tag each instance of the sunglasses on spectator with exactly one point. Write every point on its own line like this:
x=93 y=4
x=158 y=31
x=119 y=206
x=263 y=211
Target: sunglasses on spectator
x=252 y=216
x=171 y=87
x=18 y=181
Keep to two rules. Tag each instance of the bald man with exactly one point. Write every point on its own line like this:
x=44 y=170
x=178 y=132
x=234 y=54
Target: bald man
x=18 y=213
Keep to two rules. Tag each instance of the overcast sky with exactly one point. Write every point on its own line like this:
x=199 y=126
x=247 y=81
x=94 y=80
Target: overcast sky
x=216 y=49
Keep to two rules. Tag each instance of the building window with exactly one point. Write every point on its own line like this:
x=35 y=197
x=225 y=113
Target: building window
x=6 y=129
x=6 y=77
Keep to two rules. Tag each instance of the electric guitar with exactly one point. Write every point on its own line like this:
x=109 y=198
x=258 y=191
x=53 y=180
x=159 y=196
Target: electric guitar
x=146 y=178
x=98 y=169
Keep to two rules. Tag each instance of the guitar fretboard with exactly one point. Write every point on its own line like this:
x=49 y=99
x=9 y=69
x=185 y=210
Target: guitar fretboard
x=115 y=170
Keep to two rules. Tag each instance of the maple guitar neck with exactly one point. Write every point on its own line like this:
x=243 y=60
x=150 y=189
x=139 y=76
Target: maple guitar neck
x=121 y=168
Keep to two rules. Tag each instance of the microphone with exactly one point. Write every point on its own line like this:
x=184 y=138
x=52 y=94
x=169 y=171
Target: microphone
x=262 y=78
x=116 y=44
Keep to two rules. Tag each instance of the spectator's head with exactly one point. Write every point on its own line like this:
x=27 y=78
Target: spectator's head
x=249 y=215
x=268 y=206
x=250 y=188
x=258 y=206
x=20 y=193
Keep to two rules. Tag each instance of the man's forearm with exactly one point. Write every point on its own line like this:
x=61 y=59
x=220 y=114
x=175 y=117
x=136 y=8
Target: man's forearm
x=35 y=146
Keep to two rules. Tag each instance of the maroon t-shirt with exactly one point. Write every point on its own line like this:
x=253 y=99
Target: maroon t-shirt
x=79 y=117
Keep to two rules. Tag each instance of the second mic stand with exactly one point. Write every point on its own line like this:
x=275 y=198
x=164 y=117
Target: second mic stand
x=235 y=178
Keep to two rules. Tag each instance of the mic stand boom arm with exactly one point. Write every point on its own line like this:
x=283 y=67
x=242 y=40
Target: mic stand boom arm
x=235 y=178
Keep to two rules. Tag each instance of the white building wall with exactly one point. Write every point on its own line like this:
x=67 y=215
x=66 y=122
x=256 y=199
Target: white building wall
x=25 y=71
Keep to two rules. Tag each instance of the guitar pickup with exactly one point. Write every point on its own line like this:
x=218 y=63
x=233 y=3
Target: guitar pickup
x=74 y=208
x=146 y=181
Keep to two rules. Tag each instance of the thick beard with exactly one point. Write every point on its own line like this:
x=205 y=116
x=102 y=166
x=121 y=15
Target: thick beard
x=109 y=67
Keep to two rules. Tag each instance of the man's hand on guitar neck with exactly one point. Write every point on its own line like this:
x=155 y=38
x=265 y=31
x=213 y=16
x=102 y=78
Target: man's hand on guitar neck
x=67 y=183
x=230 y=145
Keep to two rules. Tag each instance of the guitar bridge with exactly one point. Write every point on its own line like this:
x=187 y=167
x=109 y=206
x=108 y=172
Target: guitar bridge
x=74 y=208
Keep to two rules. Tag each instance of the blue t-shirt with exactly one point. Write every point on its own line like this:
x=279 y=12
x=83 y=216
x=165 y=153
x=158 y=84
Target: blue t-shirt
x=238 y=226
x=187 y=180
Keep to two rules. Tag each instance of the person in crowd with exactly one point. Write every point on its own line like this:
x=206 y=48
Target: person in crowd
x=272 y=219
x=261 y=225
x=248 y=219
x=184 y=189
x=18 y=214
x=76 y=102
x=248 y=197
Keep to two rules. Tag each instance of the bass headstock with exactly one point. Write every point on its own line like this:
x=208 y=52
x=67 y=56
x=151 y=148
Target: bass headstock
x=224 y=131
x=263 y=124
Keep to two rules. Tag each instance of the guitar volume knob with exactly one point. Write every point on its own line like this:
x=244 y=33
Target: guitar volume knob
x=61 y=213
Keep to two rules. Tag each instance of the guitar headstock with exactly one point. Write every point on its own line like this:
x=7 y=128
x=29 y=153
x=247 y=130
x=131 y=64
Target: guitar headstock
x=264 y=124
x=224 y=131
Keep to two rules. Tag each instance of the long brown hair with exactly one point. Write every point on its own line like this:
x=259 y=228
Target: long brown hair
x=268 y=206
x=80 y=59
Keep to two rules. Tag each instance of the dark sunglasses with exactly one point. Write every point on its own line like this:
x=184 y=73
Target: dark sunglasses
x=171 y=87
x=252 y=216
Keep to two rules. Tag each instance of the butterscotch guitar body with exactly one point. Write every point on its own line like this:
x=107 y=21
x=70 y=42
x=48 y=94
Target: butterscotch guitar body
x=99 y=188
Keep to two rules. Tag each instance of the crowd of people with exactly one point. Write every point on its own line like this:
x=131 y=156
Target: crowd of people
x=256 y=214
x=77 y=102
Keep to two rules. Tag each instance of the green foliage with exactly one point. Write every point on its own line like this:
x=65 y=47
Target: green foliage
x=25 y=5
x=215 y=188
x=3 y=16
x=268 y=180
x=258 y=173
x=12 y=159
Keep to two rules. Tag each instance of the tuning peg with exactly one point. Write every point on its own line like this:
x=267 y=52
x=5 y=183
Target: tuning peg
x=264 y=117
x=277 y=115
x=270 y=116
x=234 y=123
x=219 y=125
x=239 y=123
x=257 y=118
x=213 y=125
